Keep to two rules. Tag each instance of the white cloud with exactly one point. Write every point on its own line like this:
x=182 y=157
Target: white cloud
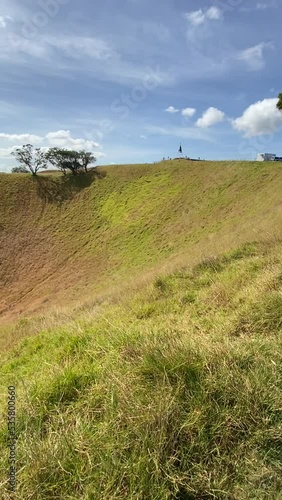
x=6 y=152
x=82 y=46
x=172 y=109
x=214 y=13
x=198 y=17
x=60 y=138
x=99 y=154
x=260 y=118
x=3 y=21
x=77 y=56
x=188 y=112
x=180 y=132
x=63 y=139
x=71 y=47
x=266 y=5
x=143 y=137
x=254 y=56
x=210 y=117
x=260 y=6
x=24 y=138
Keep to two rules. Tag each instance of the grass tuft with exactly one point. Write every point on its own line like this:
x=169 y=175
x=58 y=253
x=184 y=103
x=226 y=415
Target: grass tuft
x=263 y=317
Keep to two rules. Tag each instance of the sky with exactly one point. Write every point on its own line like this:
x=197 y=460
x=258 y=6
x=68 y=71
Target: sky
x=131 y=80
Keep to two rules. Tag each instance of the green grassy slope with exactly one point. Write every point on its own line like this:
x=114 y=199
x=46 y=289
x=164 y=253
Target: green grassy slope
x=171 y=389
x=173 y=394
x=65 y=240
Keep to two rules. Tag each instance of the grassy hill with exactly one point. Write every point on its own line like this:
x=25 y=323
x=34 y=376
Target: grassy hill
x=162 y=378
x=64 y=240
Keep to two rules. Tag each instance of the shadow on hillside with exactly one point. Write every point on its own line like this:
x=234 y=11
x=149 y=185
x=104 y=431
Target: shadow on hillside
x=65 y=187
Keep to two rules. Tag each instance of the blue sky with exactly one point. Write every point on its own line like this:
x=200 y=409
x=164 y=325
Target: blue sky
x=132 y=79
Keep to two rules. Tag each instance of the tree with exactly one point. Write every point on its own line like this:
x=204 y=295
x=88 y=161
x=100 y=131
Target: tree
x=58 y=158
x=30 y=158
x=75 y=161
x=279 y=104
x=19 y=170
x=64 y=160
x=86 y=159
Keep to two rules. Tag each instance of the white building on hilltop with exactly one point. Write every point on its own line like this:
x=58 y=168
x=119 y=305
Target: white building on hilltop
x=266 y=157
